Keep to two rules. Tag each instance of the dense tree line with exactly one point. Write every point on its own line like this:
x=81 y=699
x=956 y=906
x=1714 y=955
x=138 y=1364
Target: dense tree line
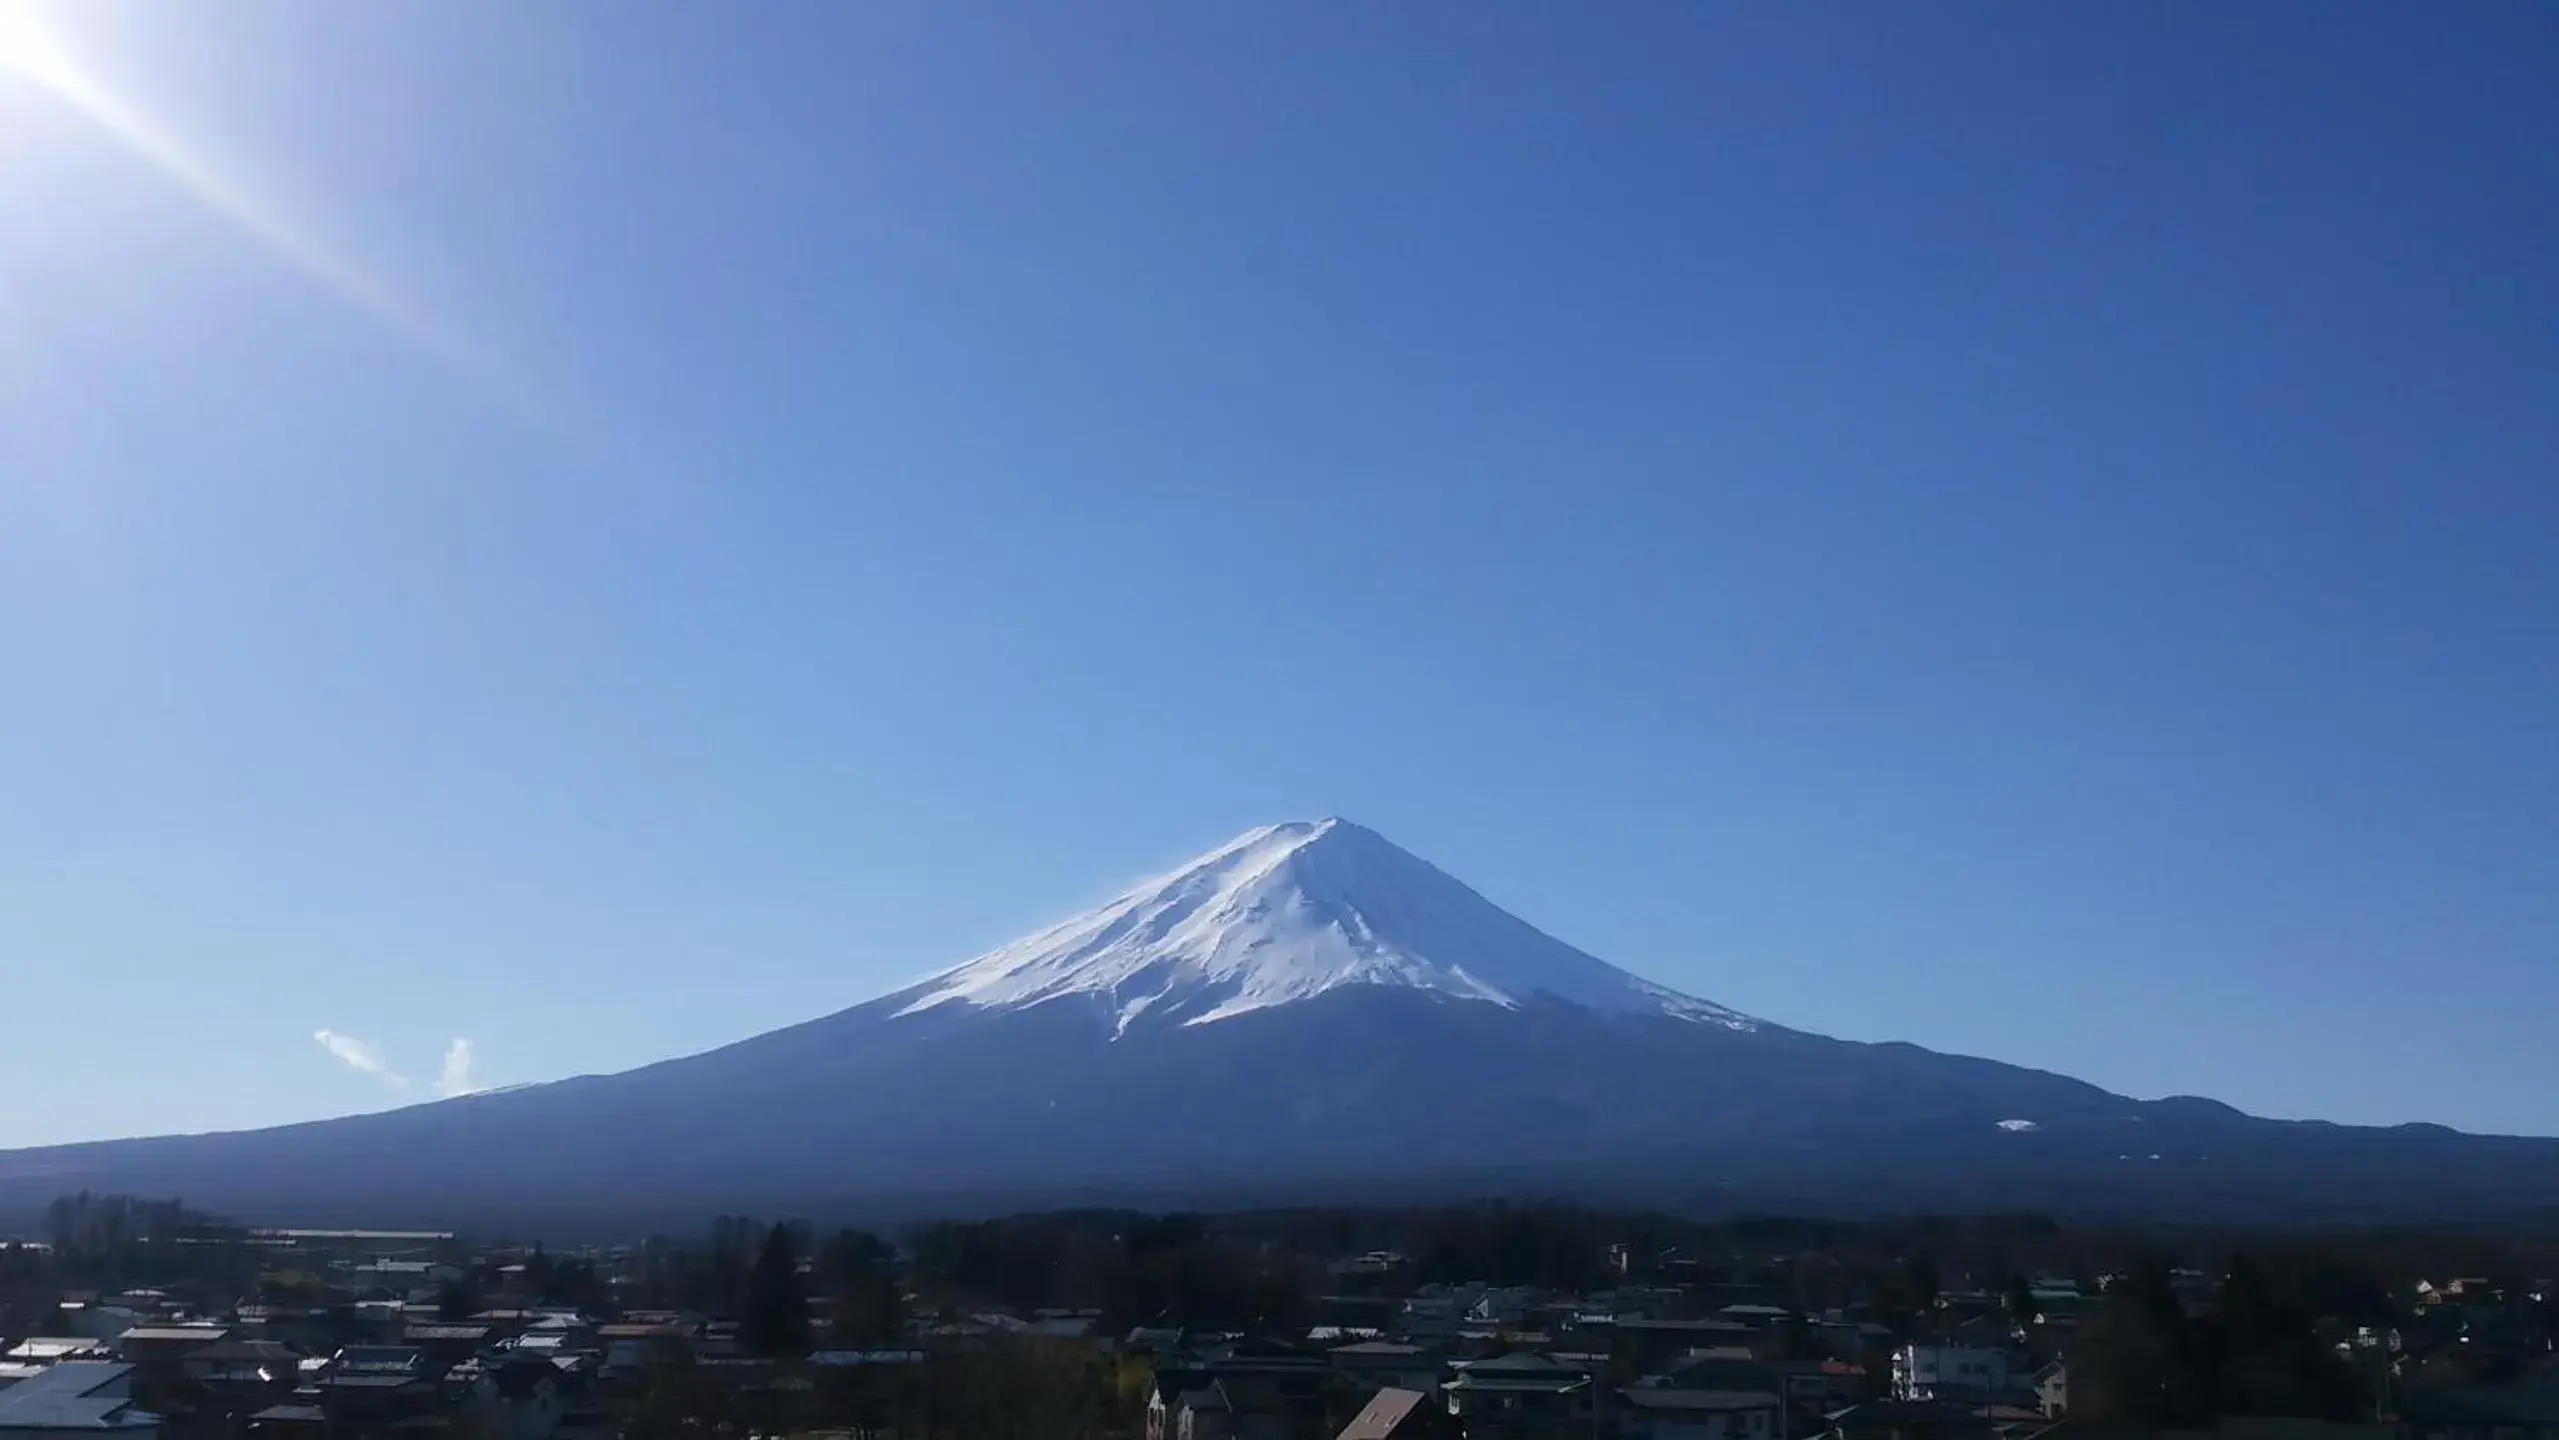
x=2147 y=1357
x=1133 y=1269
x=788 y=1290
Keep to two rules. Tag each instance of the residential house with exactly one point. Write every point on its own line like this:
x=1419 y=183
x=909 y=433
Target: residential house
x=1437 y=1312
x=1648 y=1345
x=1758 y=1317
x=44 y=1350
x=2052 y=1390
x=1168 y=1386
x=210 y=1386
x=378 y=1322
x=1909 y=1420
x=1394 y=1413
x=85 y=1398
x=241 y=1363
x=2056 y=1298
x=875 y=1361
x=158 y=1355
x=1376 y=1364
x=1714 y=1295
x=1669 y=1412
x=630 y=1345
x=444 y=1343
x=1808 y=1390
x=1357 y=1312
x=542 y=1344
x=1242 y=1407
x=1979 y=1332
x=1506 y=1307
x=2464 y=1290
x=365 y=1387
x=1842 y=1383
x=1511 y=1397
x=1856 y=1342
x=150 y=1345
x=522 y=1397
x=1923 y=1372
x=293 y=1420
x=1242 y=1388
x=98 y=1322
x=306 y=1328
x=402 y=1279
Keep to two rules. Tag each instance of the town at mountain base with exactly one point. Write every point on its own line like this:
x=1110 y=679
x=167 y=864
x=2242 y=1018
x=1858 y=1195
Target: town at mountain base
x=1306 y=1013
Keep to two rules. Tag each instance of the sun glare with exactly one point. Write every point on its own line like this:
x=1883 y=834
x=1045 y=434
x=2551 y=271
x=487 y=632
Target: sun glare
x=27 y=49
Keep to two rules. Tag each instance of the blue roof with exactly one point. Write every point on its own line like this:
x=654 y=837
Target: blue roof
x=66 y=1398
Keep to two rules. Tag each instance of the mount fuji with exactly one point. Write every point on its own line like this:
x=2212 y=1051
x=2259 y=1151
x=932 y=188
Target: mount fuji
x=1304 y=1013
x=1286 y=913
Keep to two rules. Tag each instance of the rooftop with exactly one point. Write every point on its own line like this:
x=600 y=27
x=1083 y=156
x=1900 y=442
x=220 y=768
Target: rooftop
x=421 y=1331
x=55 y=1347
x=1665 y=1397
x=1385 y=1410
x=74 y=1395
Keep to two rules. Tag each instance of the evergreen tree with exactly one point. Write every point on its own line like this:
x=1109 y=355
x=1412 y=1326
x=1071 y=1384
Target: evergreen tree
x=457 y=1300
x=2139 y=1361
x=775 y=1318
x=858 y=1273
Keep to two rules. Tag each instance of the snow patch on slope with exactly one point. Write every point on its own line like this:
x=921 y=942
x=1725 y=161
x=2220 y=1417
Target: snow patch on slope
x=1288 y=912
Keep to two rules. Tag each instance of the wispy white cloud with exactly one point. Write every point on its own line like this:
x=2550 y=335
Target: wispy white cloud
x=362 y=1055
x=461 y=1073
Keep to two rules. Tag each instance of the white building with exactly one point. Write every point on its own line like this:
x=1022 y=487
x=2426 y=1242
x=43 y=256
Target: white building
x=1920 y=1371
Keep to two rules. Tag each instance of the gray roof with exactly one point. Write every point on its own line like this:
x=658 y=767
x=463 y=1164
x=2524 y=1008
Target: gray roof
x=1683 y=1327
x=1520 y=1362
x=67 y=1397
x=1560 y=1384
x=424 y=1330
x=254 y=1352
x=55 y=1347
x=1665 y=1397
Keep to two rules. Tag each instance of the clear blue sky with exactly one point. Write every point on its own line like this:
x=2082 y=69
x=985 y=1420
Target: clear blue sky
x=599 y=529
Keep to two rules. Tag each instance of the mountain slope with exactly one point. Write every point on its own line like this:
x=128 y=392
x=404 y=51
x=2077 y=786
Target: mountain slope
x=1306 y=1011
x=1285 y=913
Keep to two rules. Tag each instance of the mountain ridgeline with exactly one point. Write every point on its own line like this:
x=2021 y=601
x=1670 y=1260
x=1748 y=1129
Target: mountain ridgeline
x=1307 y=1013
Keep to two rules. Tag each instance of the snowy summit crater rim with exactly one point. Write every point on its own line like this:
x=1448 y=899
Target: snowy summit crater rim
x=1285 y=913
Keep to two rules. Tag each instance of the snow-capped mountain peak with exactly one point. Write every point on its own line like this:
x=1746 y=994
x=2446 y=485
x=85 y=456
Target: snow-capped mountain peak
x=1287 y=912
